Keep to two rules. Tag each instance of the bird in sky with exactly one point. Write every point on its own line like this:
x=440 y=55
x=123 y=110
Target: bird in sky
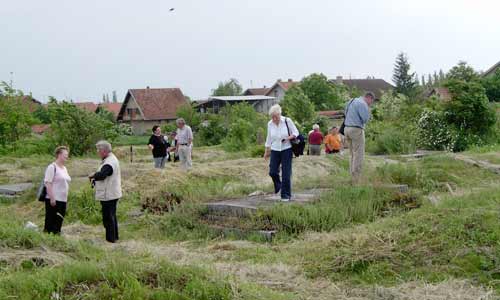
x=172 y=9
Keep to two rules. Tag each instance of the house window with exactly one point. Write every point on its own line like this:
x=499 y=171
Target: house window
x=132 y=112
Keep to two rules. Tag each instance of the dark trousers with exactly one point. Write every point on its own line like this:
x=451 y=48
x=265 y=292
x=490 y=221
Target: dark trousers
x=54 y=216
x=283 y=158
x=109 y=220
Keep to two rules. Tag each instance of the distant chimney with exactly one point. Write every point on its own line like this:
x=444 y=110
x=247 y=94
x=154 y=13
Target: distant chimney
x=265 y=87
x=339 y=80
x=147 y=87
x=290 y=80
x=279 y=80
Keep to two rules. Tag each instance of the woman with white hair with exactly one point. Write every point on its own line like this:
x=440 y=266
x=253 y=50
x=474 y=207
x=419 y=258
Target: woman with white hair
x=280 y=131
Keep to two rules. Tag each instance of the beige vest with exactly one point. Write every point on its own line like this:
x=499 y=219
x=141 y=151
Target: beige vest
x=111 y=187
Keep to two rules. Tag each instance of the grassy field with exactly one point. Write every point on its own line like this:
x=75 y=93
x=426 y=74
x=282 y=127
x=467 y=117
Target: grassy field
x=441 y=241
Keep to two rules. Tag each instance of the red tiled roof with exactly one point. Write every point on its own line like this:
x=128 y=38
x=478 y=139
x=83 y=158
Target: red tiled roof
x=331 y=113
x=156 y=104
x=256 y=92
x=114 y=108
x=88 y=106
x=40 y=129
x=441 y=92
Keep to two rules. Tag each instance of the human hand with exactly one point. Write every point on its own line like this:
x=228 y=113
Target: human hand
x=52 y=202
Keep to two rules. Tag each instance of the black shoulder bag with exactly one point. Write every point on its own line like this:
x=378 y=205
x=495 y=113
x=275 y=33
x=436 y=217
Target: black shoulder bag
x=342 y=127
x=42 y=189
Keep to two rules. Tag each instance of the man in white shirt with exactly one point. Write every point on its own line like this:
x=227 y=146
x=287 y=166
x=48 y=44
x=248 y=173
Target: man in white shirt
x=280 y=131
x=184 y=143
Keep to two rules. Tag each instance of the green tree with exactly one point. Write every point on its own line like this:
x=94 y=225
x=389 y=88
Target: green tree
x=463 y=72
x=298 y=106
x=469 y=110
x=190 y=115
x=321 y=92
x=492 y=86
x=15 y=118
x=78 y=128
x=228 y=88
x=402 y=78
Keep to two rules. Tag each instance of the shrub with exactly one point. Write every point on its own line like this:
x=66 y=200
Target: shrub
x=391 y=138
x=240 y=136
x=491 y=85
x=434 y=133
x=77 y=128
x=298 y=106
x=212 y=131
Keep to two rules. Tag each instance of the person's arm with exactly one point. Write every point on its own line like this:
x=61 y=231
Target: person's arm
x=294 y=132
x=105 y=171
x=150 y=143
x=49 y=178
x=268 y=143
x=364 y=113
x=190 y=136
x=327 y=144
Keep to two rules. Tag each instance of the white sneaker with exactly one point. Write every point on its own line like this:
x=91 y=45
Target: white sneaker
x=285 y=199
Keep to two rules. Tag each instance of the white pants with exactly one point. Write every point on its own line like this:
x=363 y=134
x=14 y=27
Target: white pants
x=185 y=157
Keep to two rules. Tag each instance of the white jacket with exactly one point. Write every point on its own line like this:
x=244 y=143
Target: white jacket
x=111 y=187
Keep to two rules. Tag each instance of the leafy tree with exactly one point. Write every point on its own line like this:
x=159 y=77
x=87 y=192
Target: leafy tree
x=15 y=118
x=228 y=88
x=469 y=110
x=402 y=78
x=212 y=131
x=492 y=86
x=190 y=115
x=463 y=72
x=323 y=94
x=78 y=128
x=298 y=106
x=42 y=115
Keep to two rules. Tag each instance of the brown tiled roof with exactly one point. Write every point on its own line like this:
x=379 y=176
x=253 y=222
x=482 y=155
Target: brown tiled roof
x=441 y=92
x=113 y=108
x=156 y=104
x=256 y=92
x=40 y=129
x=377 y=86
x=88 y=106
x=332 y=113
x=285 y=85
x=31 y=103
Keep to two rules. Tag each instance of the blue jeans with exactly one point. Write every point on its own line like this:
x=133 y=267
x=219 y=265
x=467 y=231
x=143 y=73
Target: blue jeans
x=283 y=158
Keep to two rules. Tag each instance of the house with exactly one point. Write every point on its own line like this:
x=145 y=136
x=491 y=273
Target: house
x=88 y=106
x=279 y=89
x=491 y=70
x=256 y=91
x=144 y=108
x=113 y=108
x=441 y=93
x=215 y=103
x=377 y=86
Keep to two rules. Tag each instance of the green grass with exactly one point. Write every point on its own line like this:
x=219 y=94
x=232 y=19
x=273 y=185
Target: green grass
x=457 y=239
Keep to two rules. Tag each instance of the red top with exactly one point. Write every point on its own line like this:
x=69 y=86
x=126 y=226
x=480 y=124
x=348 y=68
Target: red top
x=315 y=138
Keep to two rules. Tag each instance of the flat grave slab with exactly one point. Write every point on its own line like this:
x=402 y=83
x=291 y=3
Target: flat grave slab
x=14 y=189
x=245 y=206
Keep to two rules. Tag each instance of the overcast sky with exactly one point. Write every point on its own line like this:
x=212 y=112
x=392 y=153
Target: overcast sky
x=81 y=49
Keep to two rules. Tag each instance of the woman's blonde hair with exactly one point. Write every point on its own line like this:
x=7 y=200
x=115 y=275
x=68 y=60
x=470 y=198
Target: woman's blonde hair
x=60 y=149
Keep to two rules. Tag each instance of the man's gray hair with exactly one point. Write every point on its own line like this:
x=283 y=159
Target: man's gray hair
x=315 y=126
x=103 y=145
x=370 y=94
x=180 y=120
x=275 y=109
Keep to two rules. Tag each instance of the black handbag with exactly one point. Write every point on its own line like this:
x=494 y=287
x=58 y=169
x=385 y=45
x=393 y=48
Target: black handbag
x=42 y=189
x=298 y=143
x=342 y=127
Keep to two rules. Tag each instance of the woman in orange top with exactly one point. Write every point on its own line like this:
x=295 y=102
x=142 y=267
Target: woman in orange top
x=333 y=141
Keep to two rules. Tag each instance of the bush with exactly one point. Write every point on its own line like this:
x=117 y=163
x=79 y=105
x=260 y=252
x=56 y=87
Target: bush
x=390 y=138
x=77 y=128
x=257 y=151
x=434 y=133
x=212 y=131
x=240 y=136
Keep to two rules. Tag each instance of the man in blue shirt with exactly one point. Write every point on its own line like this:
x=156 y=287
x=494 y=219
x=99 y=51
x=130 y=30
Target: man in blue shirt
x=357 y=114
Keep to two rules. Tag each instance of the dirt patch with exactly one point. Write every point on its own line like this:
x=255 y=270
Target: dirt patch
x=164 y=202
x=29 y=259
